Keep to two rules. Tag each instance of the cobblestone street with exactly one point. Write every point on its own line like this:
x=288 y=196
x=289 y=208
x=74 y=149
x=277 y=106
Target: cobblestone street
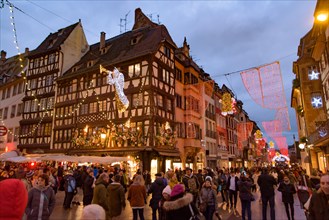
x=75 y=212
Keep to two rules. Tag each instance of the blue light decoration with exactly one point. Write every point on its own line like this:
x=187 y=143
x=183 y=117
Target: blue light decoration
x=317 y=101
x=313 y=75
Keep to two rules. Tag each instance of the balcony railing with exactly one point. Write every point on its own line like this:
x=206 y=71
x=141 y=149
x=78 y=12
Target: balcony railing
x=211 y=134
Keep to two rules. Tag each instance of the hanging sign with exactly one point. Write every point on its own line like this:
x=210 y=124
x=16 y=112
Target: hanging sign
x=3 y=130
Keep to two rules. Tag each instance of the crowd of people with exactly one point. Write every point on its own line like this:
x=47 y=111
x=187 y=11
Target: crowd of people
x=181 y=194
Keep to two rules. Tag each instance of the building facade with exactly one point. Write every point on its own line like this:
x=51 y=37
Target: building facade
x=57 y=53
x=310 y=93
x=12 y=85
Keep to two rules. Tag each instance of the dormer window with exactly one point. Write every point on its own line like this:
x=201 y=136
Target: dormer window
x=74 y=69
x=90 y=63
x=51 y=43
x=135 y=39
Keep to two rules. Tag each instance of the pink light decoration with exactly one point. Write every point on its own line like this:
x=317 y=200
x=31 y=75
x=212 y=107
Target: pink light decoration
x=282 y=115
x=272 y=128
x=264 y=85
x=281 y=142
x=244 y=130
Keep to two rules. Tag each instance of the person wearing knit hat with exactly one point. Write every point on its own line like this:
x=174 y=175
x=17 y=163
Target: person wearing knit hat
x=93 y=211
x=13 y=199
x=165 y=197
x=181 y=205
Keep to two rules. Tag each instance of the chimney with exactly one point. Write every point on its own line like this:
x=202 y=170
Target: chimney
x=102 y=40
x=27 y=50
x=3 y=55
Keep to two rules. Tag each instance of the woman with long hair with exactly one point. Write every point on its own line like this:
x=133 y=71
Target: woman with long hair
x=137 y=197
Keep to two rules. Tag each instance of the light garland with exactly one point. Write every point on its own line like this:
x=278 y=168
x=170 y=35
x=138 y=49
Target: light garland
x=228 y=104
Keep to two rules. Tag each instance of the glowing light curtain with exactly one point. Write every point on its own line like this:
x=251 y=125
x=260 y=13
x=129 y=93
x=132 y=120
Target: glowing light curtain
x=244 y=131
x=264 y=85
x=282 y=115
x=281 y=142
x=272 y=128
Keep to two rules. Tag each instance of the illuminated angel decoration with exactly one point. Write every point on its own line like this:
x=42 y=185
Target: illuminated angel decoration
x=117 y=78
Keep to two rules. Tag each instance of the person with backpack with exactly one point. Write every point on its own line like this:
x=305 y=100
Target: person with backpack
x=69 y=188
x=191 y=184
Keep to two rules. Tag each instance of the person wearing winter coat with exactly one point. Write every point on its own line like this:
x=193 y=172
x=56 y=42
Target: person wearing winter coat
x=232 y=187
x=69 y=188
x=137 y=197
x=13 y=199
x=156 y=189
x=319 y=204
x=191 y=183
x=41 y=200
x=209 y=196
x=116 y=198
x=181 y=205
x=88 y=189
x=245 y=195
x=288 y=190
x=266 y=184
x=100 y=192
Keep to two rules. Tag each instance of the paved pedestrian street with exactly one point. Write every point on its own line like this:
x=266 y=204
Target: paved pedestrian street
x=75 y=212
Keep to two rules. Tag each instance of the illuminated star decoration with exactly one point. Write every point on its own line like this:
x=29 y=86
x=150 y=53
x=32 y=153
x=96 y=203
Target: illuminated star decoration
x=323 y=132
x=314 y=75
x=317 y=102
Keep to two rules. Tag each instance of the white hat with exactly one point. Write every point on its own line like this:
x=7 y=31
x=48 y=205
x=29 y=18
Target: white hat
x=93 y=211
x=167 y=190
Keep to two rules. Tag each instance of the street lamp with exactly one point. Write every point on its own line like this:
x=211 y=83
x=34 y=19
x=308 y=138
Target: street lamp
x=301 y=146
x=321 y=16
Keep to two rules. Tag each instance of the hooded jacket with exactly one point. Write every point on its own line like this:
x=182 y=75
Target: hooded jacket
x=179 y=208
x=100 y=194
x=137 y=195
x=156 y=189
x=41 y=203
x=13 y=199
x=116 y=199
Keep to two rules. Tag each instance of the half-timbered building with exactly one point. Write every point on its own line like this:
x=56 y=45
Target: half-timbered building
x=88 y=116
x=57 y=53
x=11 y=93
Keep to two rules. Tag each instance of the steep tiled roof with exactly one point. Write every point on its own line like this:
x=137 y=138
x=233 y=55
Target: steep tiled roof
x=124 y=47
x=54 y=40
x=10 y=69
